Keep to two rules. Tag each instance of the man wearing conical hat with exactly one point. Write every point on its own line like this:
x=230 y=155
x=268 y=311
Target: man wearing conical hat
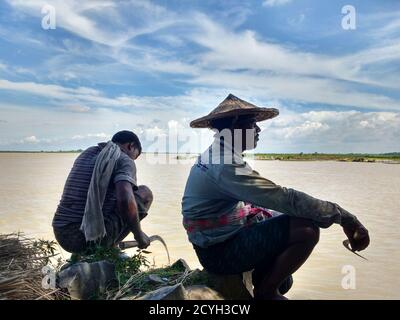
x=239 y=221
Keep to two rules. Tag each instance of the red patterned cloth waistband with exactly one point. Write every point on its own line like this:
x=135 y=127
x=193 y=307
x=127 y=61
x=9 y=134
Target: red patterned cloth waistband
x=243 y=215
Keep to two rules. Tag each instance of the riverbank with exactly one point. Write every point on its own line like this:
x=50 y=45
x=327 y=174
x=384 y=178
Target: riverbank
x=31 y=269
x=349 y=157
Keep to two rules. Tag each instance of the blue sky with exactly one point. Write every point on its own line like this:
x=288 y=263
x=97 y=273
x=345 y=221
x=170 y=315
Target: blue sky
x=150 y=66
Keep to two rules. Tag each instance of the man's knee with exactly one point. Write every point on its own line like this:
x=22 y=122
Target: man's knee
x=146 y=195
x=312 y=234
x=304 y=230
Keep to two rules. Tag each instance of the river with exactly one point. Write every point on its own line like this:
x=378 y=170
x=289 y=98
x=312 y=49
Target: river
x=31 y=186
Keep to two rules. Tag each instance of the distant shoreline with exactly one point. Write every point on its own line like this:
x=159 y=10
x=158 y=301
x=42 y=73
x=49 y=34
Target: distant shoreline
x=393 y=157
x=342 y=157
x=32 y=151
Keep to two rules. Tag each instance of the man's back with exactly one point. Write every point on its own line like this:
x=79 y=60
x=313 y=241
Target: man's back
x=73 y=200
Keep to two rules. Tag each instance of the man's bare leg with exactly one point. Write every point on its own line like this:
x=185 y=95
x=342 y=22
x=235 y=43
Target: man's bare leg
x=303 y=236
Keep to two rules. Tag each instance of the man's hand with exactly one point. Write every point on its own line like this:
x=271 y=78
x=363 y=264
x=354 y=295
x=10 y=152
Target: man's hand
x=358 y=237
x=143 y=240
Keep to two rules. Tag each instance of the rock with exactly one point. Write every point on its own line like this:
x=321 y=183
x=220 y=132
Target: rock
x=247 y=278
x=179 y=292
x=154 y=278
x=197 y=275
x=87 y=280
x=201 y=292
x=230 y=287
x=176 y=292
x=124 y=256
x=129 y=298
x=180 y=265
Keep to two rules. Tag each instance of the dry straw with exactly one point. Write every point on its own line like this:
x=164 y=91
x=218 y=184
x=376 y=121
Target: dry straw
x=21 y=263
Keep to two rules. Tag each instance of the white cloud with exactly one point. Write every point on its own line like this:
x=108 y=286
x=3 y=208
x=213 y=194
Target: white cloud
x=109 y=30
x=100 y=135
x=305 y=129
x=274 y=3
x=80 y=99
x=78 y=137
x=335 y=131
x=69 y=75
x=48 y=90
x=381 y=24
x=31 y=139
x=321 y=131
x=246 y=50
x=77 y=108
x=265 y=87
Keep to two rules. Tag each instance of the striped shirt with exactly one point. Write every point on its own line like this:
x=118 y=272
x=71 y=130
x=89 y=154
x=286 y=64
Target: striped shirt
x=73 y=200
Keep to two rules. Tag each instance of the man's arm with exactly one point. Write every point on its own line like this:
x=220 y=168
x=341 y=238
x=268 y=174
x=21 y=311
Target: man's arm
x=127 y=208
x=243 y=183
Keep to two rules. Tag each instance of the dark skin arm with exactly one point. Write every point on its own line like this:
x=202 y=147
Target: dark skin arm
x=356 y=233
x=127 y=208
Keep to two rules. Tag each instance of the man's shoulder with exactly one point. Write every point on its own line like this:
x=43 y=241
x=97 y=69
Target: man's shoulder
x=125 y=165
x=125 y=169
x=88 y=154
x=236 y=169
x=125 y=160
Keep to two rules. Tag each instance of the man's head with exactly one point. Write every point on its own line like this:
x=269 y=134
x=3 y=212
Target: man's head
x=129 y=143
x=247 y=127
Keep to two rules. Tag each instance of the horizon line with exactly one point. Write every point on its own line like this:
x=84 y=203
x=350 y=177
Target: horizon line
x=190 y=153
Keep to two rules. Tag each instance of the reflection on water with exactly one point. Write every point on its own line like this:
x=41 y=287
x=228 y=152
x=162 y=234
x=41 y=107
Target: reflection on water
x=31 y=185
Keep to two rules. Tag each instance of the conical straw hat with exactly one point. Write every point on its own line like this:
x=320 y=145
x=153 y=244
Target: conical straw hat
x=233 y=106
